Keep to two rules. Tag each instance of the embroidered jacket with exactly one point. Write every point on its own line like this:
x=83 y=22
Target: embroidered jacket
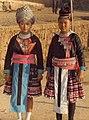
x=14 y=47
x=57 y=49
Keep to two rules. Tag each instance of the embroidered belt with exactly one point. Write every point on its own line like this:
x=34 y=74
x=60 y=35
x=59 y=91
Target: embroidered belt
x=67 y=63
x=22 y=59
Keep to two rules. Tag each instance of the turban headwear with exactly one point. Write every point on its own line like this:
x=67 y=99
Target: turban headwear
x=24 y=13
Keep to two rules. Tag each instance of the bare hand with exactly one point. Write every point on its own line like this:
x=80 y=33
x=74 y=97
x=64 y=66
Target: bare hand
x=48 y=75
x=82 y=75
x=40 y=77
x=7 y=77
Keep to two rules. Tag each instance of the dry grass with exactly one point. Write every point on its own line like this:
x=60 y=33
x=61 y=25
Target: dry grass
x=2 y=81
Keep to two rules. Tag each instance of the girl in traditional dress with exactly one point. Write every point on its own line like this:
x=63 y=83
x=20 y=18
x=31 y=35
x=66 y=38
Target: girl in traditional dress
x=23 y=65
x=65 y=68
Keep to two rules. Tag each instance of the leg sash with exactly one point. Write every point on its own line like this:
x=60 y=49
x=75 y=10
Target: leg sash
x=20 y=87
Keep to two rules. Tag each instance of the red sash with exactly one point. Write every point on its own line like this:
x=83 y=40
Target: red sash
x=22 y=59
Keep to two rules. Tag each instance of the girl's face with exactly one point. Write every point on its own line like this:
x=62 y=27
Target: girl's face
x=25 y=26
x=64 y=25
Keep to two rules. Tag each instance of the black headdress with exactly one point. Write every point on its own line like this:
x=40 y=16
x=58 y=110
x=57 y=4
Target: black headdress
x=65 y=11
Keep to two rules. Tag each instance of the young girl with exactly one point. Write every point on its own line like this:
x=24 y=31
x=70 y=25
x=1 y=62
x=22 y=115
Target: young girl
x=63 y=73
x=23 y=65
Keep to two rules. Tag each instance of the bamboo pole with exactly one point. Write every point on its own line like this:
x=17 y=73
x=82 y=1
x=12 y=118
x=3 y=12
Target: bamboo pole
x=71 y=2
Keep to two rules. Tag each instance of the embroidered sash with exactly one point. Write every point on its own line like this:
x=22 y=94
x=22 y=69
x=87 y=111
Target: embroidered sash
x=17 y=58
x=67 y=63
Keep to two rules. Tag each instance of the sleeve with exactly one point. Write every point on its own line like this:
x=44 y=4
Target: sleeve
x=8 y=57
x=49 y=57
x=39 y=57
x=80 y=53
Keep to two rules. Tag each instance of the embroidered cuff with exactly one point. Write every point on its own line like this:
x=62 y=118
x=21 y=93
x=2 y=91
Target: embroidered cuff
x=7 y=71
x=83 y=68
x=40 y=71
x=48 y=69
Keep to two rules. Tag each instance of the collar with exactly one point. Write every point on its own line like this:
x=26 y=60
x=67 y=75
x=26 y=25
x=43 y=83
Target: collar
x=23 y=36
x=65 y=35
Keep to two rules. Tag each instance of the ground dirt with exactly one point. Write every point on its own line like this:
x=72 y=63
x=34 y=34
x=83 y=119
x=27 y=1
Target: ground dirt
x=43 y=107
